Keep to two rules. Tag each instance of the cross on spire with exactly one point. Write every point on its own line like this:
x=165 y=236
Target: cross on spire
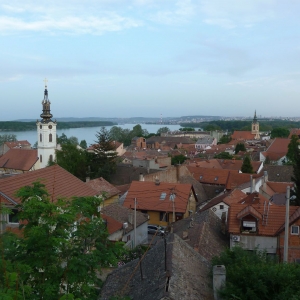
x=45 y=80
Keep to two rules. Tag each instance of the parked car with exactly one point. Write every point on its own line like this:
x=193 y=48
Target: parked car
x=152 y=229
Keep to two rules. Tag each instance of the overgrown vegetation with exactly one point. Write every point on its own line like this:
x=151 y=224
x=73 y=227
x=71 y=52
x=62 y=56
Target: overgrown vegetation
x=63 y=248
x=255 y=276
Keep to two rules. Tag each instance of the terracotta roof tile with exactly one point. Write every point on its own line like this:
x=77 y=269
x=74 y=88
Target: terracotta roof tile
x=294 y=131
x=211 y=176
x=112 y=224
x=101 y=185
x=275 y=219
x=242 y=135
x=59 y=183
x=19 y=159
x=17 y=144
x=157 y=197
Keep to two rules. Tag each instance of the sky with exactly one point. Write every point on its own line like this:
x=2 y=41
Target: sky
x=150 y=58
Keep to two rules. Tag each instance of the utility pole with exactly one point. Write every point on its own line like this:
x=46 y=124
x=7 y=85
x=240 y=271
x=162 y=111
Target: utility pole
x=134 y=222
x=173 y=204
x=286 y=232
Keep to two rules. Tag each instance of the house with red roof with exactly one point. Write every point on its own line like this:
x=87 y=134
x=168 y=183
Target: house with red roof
x=258 y=224
x=294 y=131
x=101 y=186
x=17 y=160
x=163 y=202
x=277 y=151
x=58 y=182
x=120 y=224
x=14 y=145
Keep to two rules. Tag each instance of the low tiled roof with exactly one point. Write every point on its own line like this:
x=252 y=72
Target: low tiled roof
x=205 y=140
x=59 y=183
x=237 y=179
x=17 y=144
x=112 y=224
x=19 y=159
x=162 y=274
x=276 y=187
x=121 y=214
x=100 y=185
x=203 y=232
x=211 y=176
x=293 y=218
x=228 y=197
x=158 y=197
x=170 y=139
x=279 y=173
x=242 y=135
x=279 y=145
x=294 y=131
x=125 y=174
x=275 y=218
x=273 y=156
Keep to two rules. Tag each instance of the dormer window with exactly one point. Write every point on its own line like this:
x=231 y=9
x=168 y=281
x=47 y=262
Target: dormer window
x=249 y=226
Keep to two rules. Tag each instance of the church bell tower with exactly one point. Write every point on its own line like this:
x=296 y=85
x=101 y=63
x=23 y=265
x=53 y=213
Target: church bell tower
x=46 y=131
x=255 y=127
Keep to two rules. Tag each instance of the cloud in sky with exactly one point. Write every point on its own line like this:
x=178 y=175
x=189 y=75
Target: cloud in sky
x=155 y=52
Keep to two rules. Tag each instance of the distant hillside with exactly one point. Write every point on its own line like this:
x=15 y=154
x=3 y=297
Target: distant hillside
x=24 y=126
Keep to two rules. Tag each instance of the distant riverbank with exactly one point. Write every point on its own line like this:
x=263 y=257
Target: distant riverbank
x=17 y=126
x=86 y=133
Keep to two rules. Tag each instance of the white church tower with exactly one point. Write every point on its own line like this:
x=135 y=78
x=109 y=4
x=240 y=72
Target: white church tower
x=46 y=130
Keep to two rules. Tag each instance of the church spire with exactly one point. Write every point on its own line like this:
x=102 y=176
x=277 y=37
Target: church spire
x=255 y=117
x=46 y=115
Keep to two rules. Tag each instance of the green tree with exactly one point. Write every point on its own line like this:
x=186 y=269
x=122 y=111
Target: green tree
x=104 y=159
x=7 y=138
x=255 y=276
x=293 y=156
x=212 y=127
x=83 y=144
x=187 y=129
x=63 y=139
x=280 y=132
x=163 y=130
x=73 y=140
x=293 y=149
x=239 y=147
x=225 y=139
x=247 y=166
x=73 y=160
x=223 y=155
x=63 y=248
x=178 y=159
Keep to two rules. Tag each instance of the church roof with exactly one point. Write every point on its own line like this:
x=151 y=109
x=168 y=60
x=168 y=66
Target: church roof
x=243 y=135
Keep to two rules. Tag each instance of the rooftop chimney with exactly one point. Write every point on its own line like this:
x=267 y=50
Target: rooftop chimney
x=141 y=177
x=157 y=182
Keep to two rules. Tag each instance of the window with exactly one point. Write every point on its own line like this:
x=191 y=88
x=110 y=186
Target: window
x=164 y=216
x=40 y=137
x=13 y=216
x=41 y=158
x=50 y=137
x=221 y=206
x=249 y=226
x=51 y=158
x=128 y=237
x=163 y=196
x=295 y=230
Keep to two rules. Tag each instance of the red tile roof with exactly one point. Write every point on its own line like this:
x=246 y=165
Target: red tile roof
x=59 y=183
x=148 y=196
x=212 y=176
x=236 y=179
x=19 y=159
x=279 y=146
x=242 y=135
x=279 y=187
x=112 y=224
x=294 y=131
x=17 y=144
x=275 y=219
x=100 y=185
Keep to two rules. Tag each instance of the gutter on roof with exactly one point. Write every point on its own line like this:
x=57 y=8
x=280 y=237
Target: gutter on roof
x=9 y=199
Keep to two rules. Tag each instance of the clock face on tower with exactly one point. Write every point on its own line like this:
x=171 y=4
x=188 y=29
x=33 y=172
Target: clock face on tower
x=50 y=126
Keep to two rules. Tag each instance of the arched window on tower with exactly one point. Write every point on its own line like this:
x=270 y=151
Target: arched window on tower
x=51 y=158
x=40 y=137
x=50 y=137
x=41 y=158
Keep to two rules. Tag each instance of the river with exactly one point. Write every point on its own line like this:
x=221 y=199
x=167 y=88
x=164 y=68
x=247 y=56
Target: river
x=86 y=133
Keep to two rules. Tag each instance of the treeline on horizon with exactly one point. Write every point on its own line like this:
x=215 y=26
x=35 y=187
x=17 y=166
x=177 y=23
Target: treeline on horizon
x=25 y=126
x=242 y=125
